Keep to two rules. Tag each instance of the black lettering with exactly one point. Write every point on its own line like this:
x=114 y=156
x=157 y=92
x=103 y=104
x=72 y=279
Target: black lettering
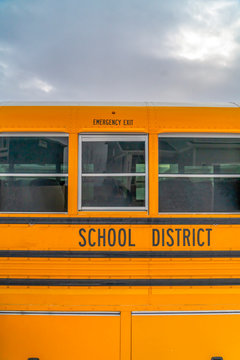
x=193 y=237
x=186 y=236
x=178 y=236
x=209 y=240
x=130 y=238
x=155 y=242
x=84 y=242
x=163 y=237
x=101 y=237
x=124 y=237
x=113 y=241
x=109 y=122
x=89 y=237
x=127 y=122
x=170 y=236
x=198 y=236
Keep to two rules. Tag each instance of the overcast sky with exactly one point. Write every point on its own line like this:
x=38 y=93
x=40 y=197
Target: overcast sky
x=120 y=50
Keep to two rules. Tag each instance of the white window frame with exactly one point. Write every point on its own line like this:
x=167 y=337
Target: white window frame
x=24 y=175
x=94 y=137
x=204 y=136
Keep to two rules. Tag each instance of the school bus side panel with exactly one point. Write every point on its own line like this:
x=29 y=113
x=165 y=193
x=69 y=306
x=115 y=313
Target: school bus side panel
x=60 y=337
x=183 y=336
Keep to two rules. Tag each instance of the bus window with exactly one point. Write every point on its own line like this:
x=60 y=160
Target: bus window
x=113 y=172
x=199 y=174
x=33 y=173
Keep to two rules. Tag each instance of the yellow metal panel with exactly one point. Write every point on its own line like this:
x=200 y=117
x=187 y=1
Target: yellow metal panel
x=194 y=119
x=126 y=328
x=73 y=118
x=72 y=174
x=119 y=268
x=187 y=337
x=55 y=337
x=137 y=237
x=59 y=337
x=119 y=298
x=153 y=173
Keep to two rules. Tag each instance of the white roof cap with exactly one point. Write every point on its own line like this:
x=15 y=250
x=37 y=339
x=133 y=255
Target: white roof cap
x=120 y=103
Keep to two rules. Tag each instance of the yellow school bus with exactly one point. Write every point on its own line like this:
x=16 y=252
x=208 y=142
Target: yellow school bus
x=119 y=231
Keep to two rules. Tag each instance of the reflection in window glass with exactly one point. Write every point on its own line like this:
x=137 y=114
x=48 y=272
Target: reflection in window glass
x=113 y=172
x=33 y=154
x=199 y=194
x=214 y=166
x=113 y=157
x=33 y=173
x=199 y=155
x=116 y=191
x=33 y=194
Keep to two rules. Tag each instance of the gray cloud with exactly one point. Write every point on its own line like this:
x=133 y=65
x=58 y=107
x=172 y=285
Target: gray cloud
x=120 y=50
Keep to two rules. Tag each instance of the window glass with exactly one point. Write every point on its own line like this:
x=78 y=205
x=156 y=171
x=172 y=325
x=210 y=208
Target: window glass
x=115 y=191
x=199 y=156
x=113 y=157
x=199 y=194
x=213 y=183
x=33 y=154
x=109 y=165
x=33 y=173
x=33 y=194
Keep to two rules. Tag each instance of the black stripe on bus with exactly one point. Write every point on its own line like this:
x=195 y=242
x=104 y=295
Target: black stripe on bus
x=119 y=221
x=117 y=254
x=119 y=282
